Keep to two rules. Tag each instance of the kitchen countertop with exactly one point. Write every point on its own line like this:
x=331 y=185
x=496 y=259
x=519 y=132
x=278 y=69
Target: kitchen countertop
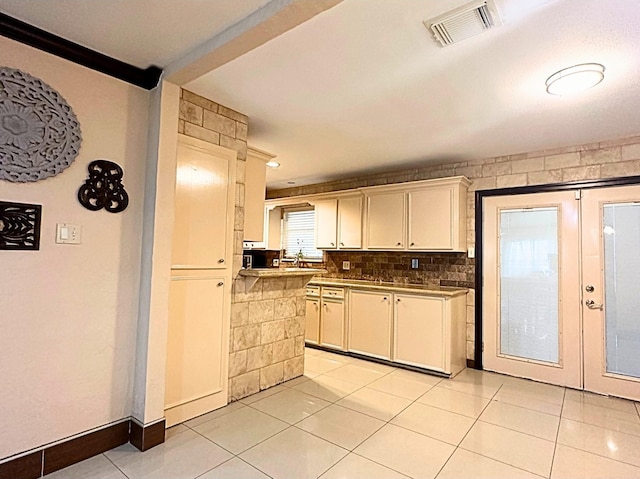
x=280 y=272
x=445 y=291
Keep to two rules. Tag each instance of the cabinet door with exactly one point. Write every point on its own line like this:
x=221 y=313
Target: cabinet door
x=332 y=324
x=273 y=228
x=370 y=323
x=255 y=181
x=431 y=219
x=326 y=212
x=312 y=327
x=419 y=331
x=385 y=221
x=201 y=208
x=197 y=347
x=350 y=223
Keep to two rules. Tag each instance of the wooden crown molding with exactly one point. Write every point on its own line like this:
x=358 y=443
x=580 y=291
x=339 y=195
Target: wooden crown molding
x=28 y=34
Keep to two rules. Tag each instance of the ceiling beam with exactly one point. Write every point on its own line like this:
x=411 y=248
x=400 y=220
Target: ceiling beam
x=270 y=21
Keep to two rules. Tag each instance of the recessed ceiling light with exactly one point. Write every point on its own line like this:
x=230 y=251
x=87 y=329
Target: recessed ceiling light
x=272 y=164
x=575 y=79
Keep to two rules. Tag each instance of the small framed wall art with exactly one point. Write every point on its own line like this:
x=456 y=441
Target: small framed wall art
x=19 y=226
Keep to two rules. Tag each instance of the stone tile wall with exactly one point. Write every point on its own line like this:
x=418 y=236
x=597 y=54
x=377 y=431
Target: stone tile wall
x=438 y=269
x=267 y=320
x=607 y=159
x=267 y=334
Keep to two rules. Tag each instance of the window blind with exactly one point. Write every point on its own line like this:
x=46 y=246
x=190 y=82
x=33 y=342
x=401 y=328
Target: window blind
x=299 y=234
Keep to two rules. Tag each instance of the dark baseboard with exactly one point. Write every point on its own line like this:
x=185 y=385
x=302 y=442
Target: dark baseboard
x=471 y=364
x=28 y=34
x=72 y=451
x=147 y=437
x=25 y=467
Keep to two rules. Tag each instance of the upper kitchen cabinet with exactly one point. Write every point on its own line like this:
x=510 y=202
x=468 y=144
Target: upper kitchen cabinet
x=255 y=187
x=339 y=222
x=385 y=222
x=425 y=215
x=203 y=205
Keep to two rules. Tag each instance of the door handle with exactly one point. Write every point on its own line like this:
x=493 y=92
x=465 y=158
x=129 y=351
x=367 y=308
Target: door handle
x=221 y=260
x=591 y=304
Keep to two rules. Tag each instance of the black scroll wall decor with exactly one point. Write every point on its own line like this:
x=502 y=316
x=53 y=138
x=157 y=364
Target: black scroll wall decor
x=19 y=226
x=104 y=188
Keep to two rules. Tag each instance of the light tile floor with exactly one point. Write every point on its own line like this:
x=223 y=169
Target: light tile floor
x=352 y=419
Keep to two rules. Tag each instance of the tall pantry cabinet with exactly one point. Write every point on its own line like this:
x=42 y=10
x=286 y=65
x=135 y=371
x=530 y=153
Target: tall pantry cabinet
x=200 y=286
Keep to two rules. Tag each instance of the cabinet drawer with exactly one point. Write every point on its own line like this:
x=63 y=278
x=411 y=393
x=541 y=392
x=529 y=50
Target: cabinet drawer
x=333 y=293
x=313 y=290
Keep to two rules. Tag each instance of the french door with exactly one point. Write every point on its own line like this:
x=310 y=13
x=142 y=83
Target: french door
x=561 y=294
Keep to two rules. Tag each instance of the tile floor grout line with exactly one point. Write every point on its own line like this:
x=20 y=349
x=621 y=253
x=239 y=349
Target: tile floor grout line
x=114 y=465
x=600 y=455
x=456 y=447
x=555 y=444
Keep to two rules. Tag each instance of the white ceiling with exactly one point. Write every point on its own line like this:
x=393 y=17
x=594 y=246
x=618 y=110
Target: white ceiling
x=363 y=86
x=140 y=32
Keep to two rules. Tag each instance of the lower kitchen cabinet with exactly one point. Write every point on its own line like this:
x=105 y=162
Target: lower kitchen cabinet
x=312 y=327
x=332 y=324
x=429 y=332
x=370 y=320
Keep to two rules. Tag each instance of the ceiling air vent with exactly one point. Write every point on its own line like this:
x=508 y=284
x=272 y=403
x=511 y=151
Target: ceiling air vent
x=464 y=22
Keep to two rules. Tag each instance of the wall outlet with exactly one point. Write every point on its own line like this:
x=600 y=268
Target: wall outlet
x=346 y=265
x=275 y=262
x=414 y=263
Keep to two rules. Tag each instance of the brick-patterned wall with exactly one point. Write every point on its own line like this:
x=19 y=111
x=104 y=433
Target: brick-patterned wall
x=267 y=320
x=436 y=269
x=267 y=335
x=607 y=159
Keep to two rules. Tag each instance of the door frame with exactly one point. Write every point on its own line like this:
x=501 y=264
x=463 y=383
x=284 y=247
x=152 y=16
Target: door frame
x=520 y=190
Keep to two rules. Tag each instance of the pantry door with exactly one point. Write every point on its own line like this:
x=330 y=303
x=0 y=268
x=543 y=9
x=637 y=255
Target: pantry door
x=531 y=290
x=611 y=290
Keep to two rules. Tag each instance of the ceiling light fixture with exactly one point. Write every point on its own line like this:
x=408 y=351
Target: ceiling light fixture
x=575 y=79
x=273 y=164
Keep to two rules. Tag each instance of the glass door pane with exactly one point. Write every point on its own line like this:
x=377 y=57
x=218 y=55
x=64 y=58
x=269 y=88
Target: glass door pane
x=528 y=268
x=621 y=232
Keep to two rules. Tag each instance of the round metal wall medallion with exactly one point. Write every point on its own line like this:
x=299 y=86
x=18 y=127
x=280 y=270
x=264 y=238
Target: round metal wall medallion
x=39 y=133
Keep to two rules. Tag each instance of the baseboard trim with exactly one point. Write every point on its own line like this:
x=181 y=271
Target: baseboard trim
x=144 y=438
x=471 y=364
x=66 y=453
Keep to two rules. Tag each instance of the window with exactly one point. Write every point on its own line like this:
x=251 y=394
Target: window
x=299 y=234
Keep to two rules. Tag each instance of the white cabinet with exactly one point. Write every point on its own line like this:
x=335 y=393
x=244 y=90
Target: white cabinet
x=199 y=291
x=339 y=223
x=386 y=220
x=429 y=332
x=423 y=216
x=370 y=320
x=272 y=231
x=350 y=223
x=202 y=208
x=419 y=335
x=312 y=325
x=255 y=188
x=326 y=214
x=325 y=320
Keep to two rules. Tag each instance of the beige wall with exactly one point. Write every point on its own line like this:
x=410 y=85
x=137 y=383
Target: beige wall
x=69 y=312
x=606 y=159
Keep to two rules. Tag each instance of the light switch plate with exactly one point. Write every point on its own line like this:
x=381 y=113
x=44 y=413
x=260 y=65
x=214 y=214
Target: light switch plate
x=471 y=252
x=346 y=265
x=68 y=234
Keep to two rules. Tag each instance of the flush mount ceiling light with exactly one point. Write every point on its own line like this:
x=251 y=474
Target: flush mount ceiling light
x=575 y=79
x=273 y=164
